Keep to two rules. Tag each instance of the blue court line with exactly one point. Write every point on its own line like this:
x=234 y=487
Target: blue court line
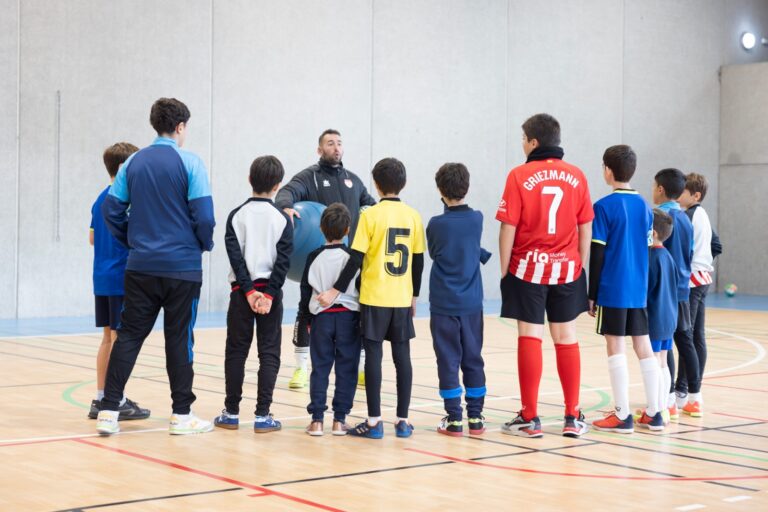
x=85 y=324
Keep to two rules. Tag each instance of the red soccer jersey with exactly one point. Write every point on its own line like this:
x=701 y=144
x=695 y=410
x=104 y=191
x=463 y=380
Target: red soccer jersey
x=546 y=200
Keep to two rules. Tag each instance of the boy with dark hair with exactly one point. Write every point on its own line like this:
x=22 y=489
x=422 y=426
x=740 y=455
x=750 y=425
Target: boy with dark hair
x=618 y=288
x=389 y=245
x=109 y=259
x=170 y=225
x=706 y=246
x=662 y=308
x=456 y=301
x=259 y=241
x=335 y=330
x=546 y=223
x=669 y=184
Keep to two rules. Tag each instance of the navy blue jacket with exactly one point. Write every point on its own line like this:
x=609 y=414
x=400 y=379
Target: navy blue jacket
x=662 y=294
x=680 y=246
x=170 y=221
x=453 y=242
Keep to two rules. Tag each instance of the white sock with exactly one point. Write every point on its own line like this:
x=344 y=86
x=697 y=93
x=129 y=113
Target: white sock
x=361 y=365
x=666 y=399
x=619 y=373
x=99 y=394
x=695 y=397
x=373 y=420
x=122 y=402
x=681 y=399
x=402 y=419
x=301 y=354
x=650 y=369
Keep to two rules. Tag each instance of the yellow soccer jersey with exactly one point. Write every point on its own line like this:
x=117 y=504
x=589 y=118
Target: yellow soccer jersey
x=389 y=234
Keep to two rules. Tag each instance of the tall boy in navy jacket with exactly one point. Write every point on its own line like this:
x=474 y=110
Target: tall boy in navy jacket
x=170 y=226
x=456 y=300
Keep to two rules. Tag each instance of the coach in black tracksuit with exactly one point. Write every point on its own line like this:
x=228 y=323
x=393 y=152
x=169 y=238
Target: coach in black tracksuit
x=325 y=182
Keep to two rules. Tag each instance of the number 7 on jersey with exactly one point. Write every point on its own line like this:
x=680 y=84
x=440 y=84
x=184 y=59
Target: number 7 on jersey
x=552 y=221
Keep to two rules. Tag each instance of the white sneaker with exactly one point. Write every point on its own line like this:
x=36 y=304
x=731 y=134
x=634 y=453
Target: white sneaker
x=182 y=424
x=106 y=422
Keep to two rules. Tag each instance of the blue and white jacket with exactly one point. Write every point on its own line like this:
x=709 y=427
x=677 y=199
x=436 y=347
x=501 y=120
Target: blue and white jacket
x=160 y=207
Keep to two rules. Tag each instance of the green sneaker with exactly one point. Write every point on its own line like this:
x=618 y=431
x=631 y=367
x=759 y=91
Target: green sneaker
x=299 y=379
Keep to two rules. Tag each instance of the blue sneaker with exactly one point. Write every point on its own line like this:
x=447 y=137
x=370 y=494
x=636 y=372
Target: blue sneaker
x=264 y=424
x=365 y=430
x=403 y=429
x=227 y=420
x=655 y=423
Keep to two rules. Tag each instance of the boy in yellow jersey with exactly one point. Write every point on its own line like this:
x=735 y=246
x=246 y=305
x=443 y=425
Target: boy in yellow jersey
x=389 y=244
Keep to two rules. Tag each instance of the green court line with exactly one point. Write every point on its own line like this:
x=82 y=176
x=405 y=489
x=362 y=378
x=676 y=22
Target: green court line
x=677 y=445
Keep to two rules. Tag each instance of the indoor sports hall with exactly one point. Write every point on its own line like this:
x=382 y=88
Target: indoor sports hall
x=684 y=83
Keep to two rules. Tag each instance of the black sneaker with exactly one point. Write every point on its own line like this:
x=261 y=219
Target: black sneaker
x=95 y=408
x=575 y=426
x=476 y=425
x=523 y=428
x=450 y=427
x=130 y=410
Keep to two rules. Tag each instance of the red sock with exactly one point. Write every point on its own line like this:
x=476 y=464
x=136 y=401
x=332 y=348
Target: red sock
x=569 y=369
x=529 y=373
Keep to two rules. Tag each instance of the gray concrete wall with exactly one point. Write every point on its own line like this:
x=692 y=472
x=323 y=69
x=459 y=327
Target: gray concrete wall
x=9 y=50
x=744 y=177
x=427 y=81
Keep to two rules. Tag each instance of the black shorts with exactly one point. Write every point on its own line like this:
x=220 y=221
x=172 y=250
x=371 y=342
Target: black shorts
x=380 y=323
x=527 y=302
x=684 y=317
x=622 y=321
x=108 y=310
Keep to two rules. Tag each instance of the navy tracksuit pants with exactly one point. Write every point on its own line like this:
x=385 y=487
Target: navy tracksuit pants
x=335 y=339
x=458 y=341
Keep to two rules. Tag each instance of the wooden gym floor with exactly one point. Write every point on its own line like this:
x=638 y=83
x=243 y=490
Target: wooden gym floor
x=52 y=460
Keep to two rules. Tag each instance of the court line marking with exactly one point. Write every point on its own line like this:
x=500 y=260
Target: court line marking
x=735 y=387
x=734 y=499
x=144 y=500
x=200 y=472
x=762 y=420
x=75 y=437
x=737 y=375
x=694 y=506
x=586 y=475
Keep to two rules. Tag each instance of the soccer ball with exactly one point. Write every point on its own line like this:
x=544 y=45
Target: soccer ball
x=730 y=289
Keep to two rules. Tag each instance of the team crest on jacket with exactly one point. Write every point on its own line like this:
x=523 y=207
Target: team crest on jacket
x=348 y=183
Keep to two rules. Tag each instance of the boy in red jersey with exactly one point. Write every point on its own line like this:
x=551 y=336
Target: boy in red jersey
x=546 y=227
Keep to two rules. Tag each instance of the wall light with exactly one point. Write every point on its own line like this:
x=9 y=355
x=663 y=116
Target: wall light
x=748 y=40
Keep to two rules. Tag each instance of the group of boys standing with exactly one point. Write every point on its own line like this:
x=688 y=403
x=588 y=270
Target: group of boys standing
x=355 y=297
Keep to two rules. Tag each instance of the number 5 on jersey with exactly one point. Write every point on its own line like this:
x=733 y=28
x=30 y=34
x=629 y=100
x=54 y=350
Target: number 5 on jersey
x=394 y=248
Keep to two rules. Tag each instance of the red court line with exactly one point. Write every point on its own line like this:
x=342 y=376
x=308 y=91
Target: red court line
x=588 y=475
x=262 y=490
x=734 y=375
x=740 y=417
x=736 y=387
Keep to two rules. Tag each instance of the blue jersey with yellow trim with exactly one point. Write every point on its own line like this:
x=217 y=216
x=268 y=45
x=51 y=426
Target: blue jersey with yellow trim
x=623 y=224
